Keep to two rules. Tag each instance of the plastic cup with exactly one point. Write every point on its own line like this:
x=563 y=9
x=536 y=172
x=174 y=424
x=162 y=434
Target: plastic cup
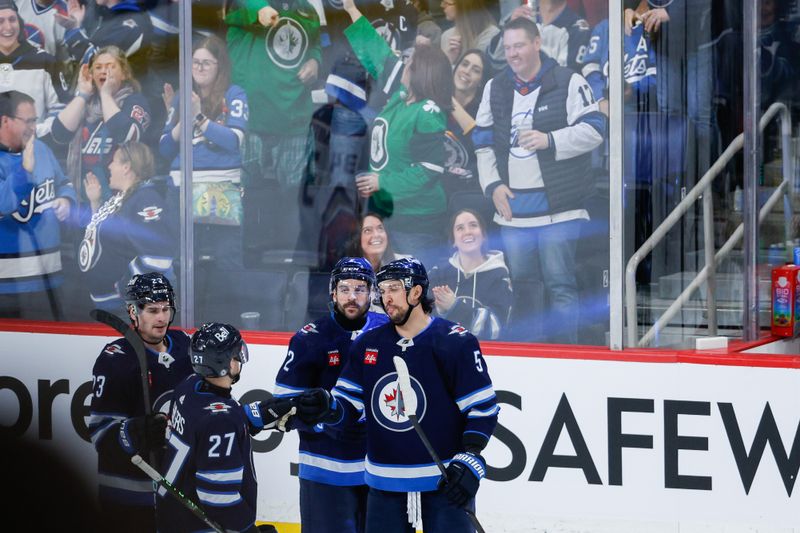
x=250 y=320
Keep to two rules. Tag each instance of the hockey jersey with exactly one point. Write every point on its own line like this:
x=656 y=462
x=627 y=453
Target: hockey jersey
x=566 y=39
x=128 y=236
x=639 y=61
x=41 y=28
x=98 y=138
x=209 y=459
x=317 y=353
x=454 y=397
x=30 y=236
x=117 y=395
x=35 y=72
x=409 y=155
x=281 y=104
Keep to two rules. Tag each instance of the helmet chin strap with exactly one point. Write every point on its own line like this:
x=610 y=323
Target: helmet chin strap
x=408 y=313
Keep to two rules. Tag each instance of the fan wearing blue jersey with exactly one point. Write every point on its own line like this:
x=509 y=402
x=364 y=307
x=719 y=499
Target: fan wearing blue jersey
x=457 y=409
x=333 y=496
x=209 y=457
x=118 y=424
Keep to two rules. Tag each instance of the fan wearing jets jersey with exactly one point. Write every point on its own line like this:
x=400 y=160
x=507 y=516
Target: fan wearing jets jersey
x=332 y=491
x=456 y=407
x=118 y=424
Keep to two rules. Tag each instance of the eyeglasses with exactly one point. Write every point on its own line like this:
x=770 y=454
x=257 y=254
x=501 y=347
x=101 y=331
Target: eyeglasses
x=28 y=121
x=205 y=64
x=346 y=290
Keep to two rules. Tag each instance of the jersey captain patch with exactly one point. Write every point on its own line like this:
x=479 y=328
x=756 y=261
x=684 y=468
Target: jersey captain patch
x=286 y=43
x=387 y=404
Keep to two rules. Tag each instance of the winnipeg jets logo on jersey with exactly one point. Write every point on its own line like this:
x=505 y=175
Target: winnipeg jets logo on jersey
x=286 y=43
x=39 y=199
x=456 y=157
x=387 y=403
x=309 y=328
x=113 y=349
x=150 y=213
x=458 y=329
x=217 y=407
x=520 y=121
x=377 y=145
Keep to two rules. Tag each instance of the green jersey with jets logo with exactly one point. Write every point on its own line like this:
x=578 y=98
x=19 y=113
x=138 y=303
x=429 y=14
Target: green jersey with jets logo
x=406 y=140
x=266 y=62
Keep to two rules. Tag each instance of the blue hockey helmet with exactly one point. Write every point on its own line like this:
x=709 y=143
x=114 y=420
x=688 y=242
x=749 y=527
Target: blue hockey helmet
x=149 y=288
x=213 y=347
x=352 y=268
x=408 y=270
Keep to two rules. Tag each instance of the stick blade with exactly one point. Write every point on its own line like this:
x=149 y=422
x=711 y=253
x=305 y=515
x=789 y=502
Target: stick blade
x=405 y=391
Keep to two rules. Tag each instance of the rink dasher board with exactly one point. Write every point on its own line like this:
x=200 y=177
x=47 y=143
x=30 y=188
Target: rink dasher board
x=583 y=445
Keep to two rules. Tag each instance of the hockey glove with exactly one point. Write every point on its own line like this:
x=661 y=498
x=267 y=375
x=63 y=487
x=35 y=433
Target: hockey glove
x=464 y=474
x=143 y=434
x=269 y=414
x=315 y=406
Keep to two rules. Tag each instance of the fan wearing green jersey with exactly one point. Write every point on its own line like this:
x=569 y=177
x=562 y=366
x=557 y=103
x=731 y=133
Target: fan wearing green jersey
x=407 y=139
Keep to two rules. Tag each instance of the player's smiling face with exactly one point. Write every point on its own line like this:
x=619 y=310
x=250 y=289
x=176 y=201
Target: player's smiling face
x=352 y=298
x=152 y=321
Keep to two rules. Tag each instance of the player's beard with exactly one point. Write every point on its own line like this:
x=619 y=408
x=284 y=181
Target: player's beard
x=362 y=309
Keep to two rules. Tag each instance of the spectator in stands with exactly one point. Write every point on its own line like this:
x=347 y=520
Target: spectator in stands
x=473 y=287
x=29 y=69
x=43 y=30
x=473 y=27
x=133 y=231
x=565 y=36
x=407 y=152
x=35 y=197
x=219 y=119
x=461 y=170
x=278 y=80
x=372 y=242
x=535 y=129
x=428 y=31
x=108 y=109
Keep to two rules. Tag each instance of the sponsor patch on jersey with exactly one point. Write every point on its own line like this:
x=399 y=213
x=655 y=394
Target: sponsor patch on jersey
x=309 y=328
x=218 y=407
x=113 y=349
x=388 y=407
x=458 y=329
x=333 y=358
x=150 y=213
x=371 y=356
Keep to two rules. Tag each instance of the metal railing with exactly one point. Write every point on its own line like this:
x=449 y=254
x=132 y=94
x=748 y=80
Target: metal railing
x=708 y=272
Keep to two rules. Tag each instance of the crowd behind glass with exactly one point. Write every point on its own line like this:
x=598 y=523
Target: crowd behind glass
x=318 y=134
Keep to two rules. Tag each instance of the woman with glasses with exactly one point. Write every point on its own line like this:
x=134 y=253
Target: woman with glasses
x=108 y=109
x=407 y=138
x=133 y=231
x=219 y=120
x=473 y=27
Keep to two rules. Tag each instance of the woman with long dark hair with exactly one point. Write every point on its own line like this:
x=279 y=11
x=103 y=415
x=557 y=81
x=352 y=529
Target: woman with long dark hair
x=219 y=120
x=473 y=287
x=133 y=231
x=407 y=138
x=473 y=27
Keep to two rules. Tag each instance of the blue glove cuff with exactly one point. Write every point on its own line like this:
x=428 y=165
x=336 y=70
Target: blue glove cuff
x=253 y=413
x=473 y=462
x=125 y=438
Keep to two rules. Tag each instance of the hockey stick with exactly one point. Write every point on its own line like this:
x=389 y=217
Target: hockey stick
x=180 y=496
x=115 y=322
x=409 y=398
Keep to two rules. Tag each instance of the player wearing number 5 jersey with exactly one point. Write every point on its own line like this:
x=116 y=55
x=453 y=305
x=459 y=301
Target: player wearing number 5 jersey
x=456 y=407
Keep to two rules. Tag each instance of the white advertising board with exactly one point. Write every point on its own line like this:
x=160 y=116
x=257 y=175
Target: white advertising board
x=583 y=445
